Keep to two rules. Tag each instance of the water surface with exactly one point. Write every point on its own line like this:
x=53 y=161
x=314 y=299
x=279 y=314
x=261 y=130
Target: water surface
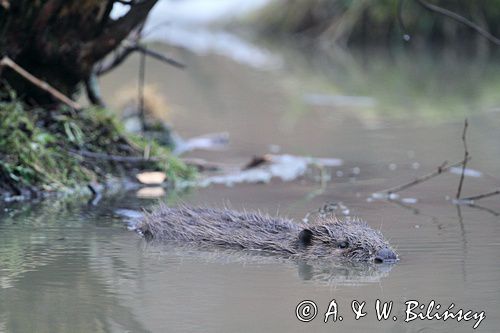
x=71 y=267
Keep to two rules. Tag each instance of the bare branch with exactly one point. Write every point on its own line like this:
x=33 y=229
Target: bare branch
x=6 y=61
x=116 y=32
x=141 y=82
x=125 y=2
x=113 y=158
x=466 y=158
x=158 y=56
x=458 y=18
x=405 y=206
x=481 y=196
x=486 y=209
x=130 y=47
x=440 y=170
x=119 y=57
x=93 y=91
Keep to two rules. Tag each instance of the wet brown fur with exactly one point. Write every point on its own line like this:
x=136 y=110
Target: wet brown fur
x=327 y=237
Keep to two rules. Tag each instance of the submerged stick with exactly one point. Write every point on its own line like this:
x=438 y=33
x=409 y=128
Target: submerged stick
x=482 y=196
x=440 y=170
x=405 y=206
x=6 y=61
x=466 y=157
x=486 y=209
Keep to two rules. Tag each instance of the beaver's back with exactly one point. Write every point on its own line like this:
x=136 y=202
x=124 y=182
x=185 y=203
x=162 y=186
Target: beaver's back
x=222 y=227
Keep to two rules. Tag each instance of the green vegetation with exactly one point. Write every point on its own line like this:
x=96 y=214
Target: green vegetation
x=41 y=149
x=45 y=145
x=412 y=86
x=376 y=22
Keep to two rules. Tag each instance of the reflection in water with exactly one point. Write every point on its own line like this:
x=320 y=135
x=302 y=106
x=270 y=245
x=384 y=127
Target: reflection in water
x=345 y=273
x=205 y=42
x=54 y=267
x=329 y=272
x=81 y=302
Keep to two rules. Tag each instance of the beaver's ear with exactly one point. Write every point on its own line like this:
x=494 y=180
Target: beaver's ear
x=305 y=237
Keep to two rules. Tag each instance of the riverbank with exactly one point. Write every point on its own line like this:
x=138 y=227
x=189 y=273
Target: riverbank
x=54 y=151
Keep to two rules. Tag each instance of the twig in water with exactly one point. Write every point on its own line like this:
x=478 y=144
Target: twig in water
x=466 y=158
x=405 y=206
x=481 y=196
x=440 y=170
x=486 y=209
x=6 y=61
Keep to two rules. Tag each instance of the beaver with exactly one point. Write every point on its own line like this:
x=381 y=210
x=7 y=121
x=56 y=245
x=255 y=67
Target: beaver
x=327 y=237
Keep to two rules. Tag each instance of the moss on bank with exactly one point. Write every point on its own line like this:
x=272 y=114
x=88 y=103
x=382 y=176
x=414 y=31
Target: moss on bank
x=56 y=150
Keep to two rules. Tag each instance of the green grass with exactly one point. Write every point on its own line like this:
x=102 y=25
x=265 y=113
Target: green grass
x=37 y=148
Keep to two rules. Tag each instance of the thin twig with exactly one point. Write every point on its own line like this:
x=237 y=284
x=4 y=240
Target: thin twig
x=158 y=56
x=456 y=17
x=6 y=61
x=118 y=58
x=466 y=158
x=93 y=91
x=486 y=209
x=130 y=47
x=440 y=170
x=405 y=206
x=141 y=81
x=114 y=158
x=481 y=196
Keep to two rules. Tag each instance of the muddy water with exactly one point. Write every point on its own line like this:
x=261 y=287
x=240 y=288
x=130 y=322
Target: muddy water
x=69 y=267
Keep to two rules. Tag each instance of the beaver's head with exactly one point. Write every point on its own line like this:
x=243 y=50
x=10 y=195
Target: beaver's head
x=350 y=239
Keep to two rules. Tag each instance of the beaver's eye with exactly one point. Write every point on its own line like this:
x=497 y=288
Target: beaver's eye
x=343 y=245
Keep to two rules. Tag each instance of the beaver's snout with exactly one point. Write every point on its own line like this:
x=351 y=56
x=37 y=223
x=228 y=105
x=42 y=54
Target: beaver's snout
x=385 y=255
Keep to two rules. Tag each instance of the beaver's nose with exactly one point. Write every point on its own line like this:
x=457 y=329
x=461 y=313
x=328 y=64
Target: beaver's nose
x=386 y=255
